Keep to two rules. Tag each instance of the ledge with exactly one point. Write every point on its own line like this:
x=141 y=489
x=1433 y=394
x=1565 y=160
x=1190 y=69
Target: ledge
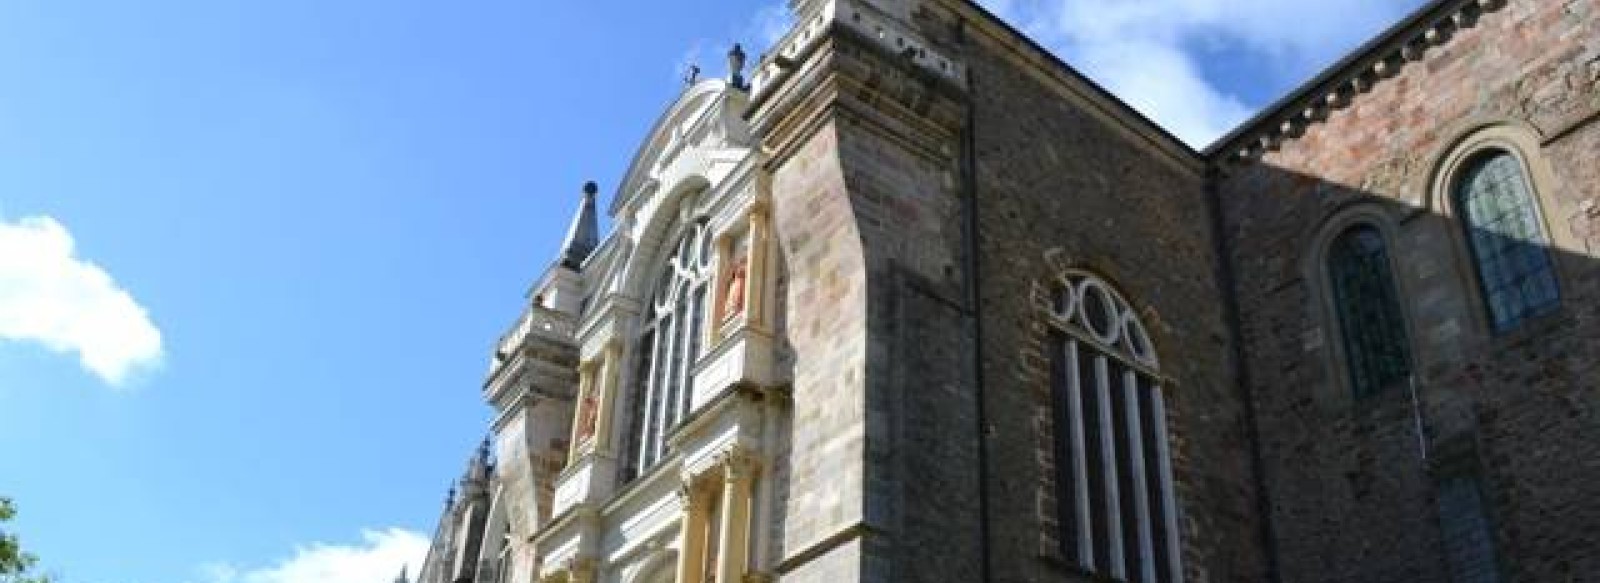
x=1338 y=86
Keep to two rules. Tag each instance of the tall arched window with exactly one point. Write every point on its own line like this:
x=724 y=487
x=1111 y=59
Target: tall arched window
x=1368 y=309
x=1118 y=512
x=668 y=347
x=1507 y=239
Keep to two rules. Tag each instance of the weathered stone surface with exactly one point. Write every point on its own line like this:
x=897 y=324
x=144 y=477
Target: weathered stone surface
x=1352 y=496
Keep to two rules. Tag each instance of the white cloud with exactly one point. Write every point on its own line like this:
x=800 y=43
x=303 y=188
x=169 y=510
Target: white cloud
x=378 y=558
x=50 y=296
x=1148 y=51
x=769 y=24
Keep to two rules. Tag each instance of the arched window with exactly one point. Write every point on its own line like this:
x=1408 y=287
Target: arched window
x=1507 y=239
x=668 y=347
x=1118 y=513
x=1368 y=310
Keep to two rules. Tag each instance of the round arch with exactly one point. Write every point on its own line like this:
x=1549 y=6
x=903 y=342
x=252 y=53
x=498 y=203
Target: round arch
x=1319 y=292
x=1475 y=140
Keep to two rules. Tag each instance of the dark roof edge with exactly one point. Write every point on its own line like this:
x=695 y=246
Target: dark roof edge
x=1431 y=25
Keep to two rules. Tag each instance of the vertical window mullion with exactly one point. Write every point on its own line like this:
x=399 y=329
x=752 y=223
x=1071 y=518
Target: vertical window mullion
x=696 y=310
x=663 y=390
x=1108 y=467
x=1080 y=470
x=646 y=398
x=1147 y=560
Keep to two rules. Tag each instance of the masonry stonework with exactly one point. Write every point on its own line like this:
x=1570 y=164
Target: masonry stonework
x=889 y=411
x=1352 y=485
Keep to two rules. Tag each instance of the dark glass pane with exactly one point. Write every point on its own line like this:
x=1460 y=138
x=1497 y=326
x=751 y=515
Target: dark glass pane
x=1066 y=464
x=1368 y=309
x=1097 y=311
x=1094 y=435
x=1155 y=488
x=1508 y=244
x=1127 y=489
x=1467 y=532
x=638 y=406
x=697 y=313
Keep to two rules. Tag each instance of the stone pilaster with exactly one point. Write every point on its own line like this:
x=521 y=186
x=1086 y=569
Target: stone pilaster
x=861 y=116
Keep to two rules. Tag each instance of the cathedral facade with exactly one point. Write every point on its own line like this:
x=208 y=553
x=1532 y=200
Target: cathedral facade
x=912 y=300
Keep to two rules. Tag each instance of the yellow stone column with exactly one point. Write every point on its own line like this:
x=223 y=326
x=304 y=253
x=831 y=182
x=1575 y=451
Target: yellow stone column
x=691 y=535
x=755 y=286
x=578 y=443
x=738 y=472
x=719 y=325
x=607 y=392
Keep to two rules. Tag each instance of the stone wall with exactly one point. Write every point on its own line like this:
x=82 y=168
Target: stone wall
x=825 y=315
x=884 y=428
x=1352 y=487
x=1063 y=183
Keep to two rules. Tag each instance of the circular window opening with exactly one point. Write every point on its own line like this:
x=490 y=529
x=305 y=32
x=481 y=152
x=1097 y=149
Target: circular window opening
x=1099 y=312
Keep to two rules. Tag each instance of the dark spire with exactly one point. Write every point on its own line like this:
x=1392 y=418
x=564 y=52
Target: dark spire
x=736 y=67
x=402 y=578
x=584 y=234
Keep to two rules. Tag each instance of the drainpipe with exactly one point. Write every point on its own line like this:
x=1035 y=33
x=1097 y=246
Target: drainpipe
x=974 y=324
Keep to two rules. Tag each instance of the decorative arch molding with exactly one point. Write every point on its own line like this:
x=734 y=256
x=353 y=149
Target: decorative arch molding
x=1475 y=135
x=1319 y=292
x=670 y=152
x=1082 y=300
x=1060 y=264
x=657 y=565
x=1483 y=136
x=655 y=234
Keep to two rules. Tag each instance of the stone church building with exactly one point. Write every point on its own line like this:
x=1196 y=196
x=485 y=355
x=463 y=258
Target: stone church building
x=912 y=300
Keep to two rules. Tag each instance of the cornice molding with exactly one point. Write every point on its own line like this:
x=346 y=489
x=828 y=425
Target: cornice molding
x=1339 y=86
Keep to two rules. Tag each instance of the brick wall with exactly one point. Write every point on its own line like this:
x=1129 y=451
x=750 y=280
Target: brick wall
x=1060 y=186
x=1352 y=498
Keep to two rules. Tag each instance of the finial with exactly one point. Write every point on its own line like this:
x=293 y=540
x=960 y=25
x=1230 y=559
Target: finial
x=450 y=497
x=692 y=75
x=583 y=236
x=403 y=578
x=736 y=66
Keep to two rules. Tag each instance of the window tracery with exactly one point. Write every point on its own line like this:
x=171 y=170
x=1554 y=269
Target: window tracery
x=1113 y=473
x=668 y=346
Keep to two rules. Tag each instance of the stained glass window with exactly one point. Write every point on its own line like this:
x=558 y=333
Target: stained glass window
x=1508 y=244
x=1368 y=308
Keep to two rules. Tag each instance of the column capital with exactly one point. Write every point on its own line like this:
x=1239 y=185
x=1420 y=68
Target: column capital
x=738 y=463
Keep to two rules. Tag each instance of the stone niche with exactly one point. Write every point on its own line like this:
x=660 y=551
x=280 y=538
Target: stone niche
x=740 y=343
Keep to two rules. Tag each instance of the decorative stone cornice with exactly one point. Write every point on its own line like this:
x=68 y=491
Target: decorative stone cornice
x=1340 y=85
x=862 y=19
x=574 y=570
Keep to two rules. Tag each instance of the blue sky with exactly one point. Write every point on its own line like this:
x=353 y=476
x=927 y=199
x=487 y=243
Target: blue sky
x=253 y=254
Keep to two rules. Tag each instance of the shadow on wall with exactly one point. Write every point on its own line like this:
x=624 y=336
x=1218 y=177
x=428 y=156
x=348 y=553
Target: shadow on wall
x=1424 y=372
